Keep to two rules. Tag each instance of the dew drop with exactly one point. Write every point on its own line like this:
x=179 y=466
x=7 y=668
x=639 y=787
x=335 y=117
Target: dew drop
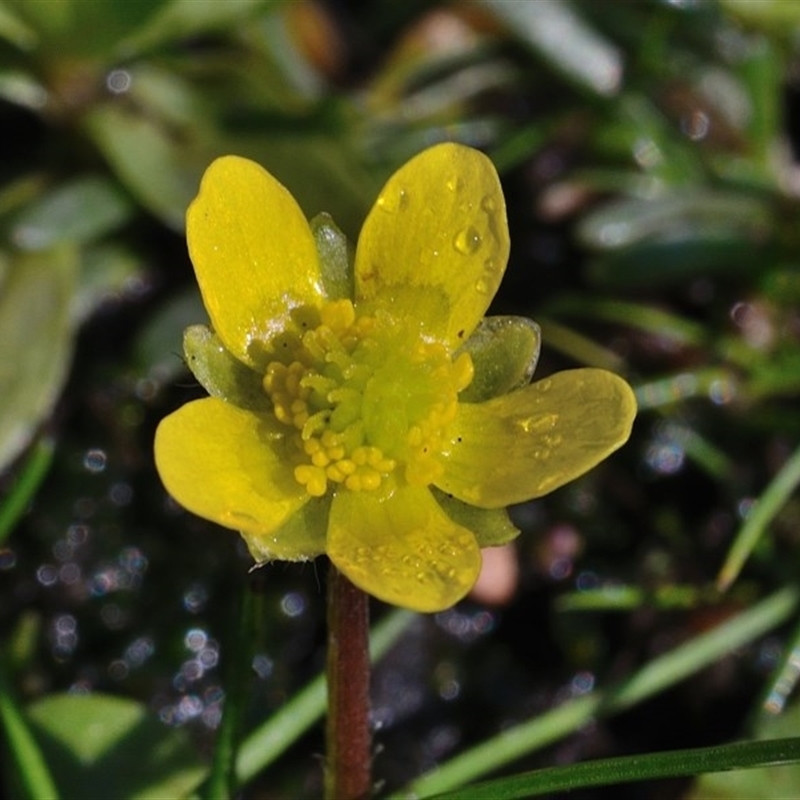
x=467 y=241
x=393 y=201
x=488 y=204
x=455 y=184
x=538 y=423
x=481 y=286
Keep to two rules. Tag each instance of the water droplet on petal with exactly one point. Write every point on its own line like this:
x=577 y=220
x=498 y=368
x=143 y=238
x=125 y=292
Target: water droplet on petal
x=467 y=241
x=539 y=423
x=488 y=204
x=481 y=286
x=455 y=184
x=393 y=200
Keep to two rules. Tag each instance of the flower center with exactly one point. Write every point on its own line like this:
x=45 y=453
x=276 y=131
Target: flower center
x=367 y=396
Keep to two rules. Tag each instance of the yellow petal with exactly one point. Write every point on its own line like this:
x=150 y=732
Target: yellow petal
x=435 y=244
x=402 y=548
x=226 y=464
x=253 y=254
x=527 y=443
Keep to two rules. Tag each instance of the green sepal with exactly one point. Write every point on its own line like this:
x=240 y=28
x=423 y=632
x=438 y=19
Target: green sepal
x=220 y=373
x=504 y=353
x=335 y=257
x=301 y=538
x=491 y=526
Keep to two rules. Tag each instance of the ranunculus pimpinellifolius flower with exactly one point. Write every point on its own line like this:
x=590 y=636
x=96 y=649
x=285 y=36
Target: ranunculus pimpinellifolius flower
x=360 y=404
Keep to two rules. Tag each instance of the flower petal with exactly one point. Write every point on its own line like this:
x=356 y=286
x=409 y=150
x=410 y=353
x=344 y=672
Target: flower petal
x=402 y=548
x=435 y=244
x=253 y=254
x=228 y=465
x=525 y=444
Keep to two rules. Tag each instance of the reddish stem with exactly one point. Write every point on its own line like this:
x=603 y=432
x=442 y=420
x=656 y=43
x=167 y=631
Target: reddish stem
x=348 y=760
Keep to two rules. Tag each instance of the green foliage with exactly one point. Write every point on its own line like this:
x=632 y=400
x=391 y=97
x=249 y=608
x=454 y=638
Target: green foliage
x=95 y=740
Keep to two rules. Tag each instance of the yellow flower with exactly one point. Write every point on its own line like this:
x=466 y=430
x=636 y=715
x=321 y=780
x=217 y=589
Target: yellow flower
x=361 y=407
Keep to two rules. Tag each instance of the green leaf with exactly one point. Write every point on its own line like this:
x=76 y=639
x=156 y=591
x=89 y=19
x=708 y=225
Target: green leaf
x=95 y=740
x=158 y=143
x=675 y=258
x=770 y=782
x=156 y=350
x=504 y=353
x=20 y=87
x=755 y=525
x=628 y=221
x=775 y=16
x=179 y=19
x=32 y=473
x=219 y=373
x=14 y=30
x=77 y=212
x=81 y=28
x=678 y=763
x=564 y=39
x=105 y=270
x=36 y=330
x=27 y=767
x=657 y=675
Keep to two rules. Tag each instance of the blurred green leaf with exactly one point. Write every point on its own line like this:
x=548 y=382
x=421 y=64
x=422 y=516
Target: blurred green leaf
x=180 y=19
x=27 y=767
x=777 y=16
x=153 y=161
x=36 y=332
x=31 y=474
x=675 y=257
x=757 y=521
x=76 y=212
x=23 y=89
x=95 y=740
x=157 y=349
x=158 y=138
x=566 y=40
x=626 y=222
x=105 y=272
x=82 y=27
x=13 y=29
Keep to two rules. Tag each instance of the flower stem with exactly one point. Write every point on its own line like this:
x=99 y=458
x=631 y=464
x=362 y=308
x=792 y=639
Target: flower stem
x=348 y=761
